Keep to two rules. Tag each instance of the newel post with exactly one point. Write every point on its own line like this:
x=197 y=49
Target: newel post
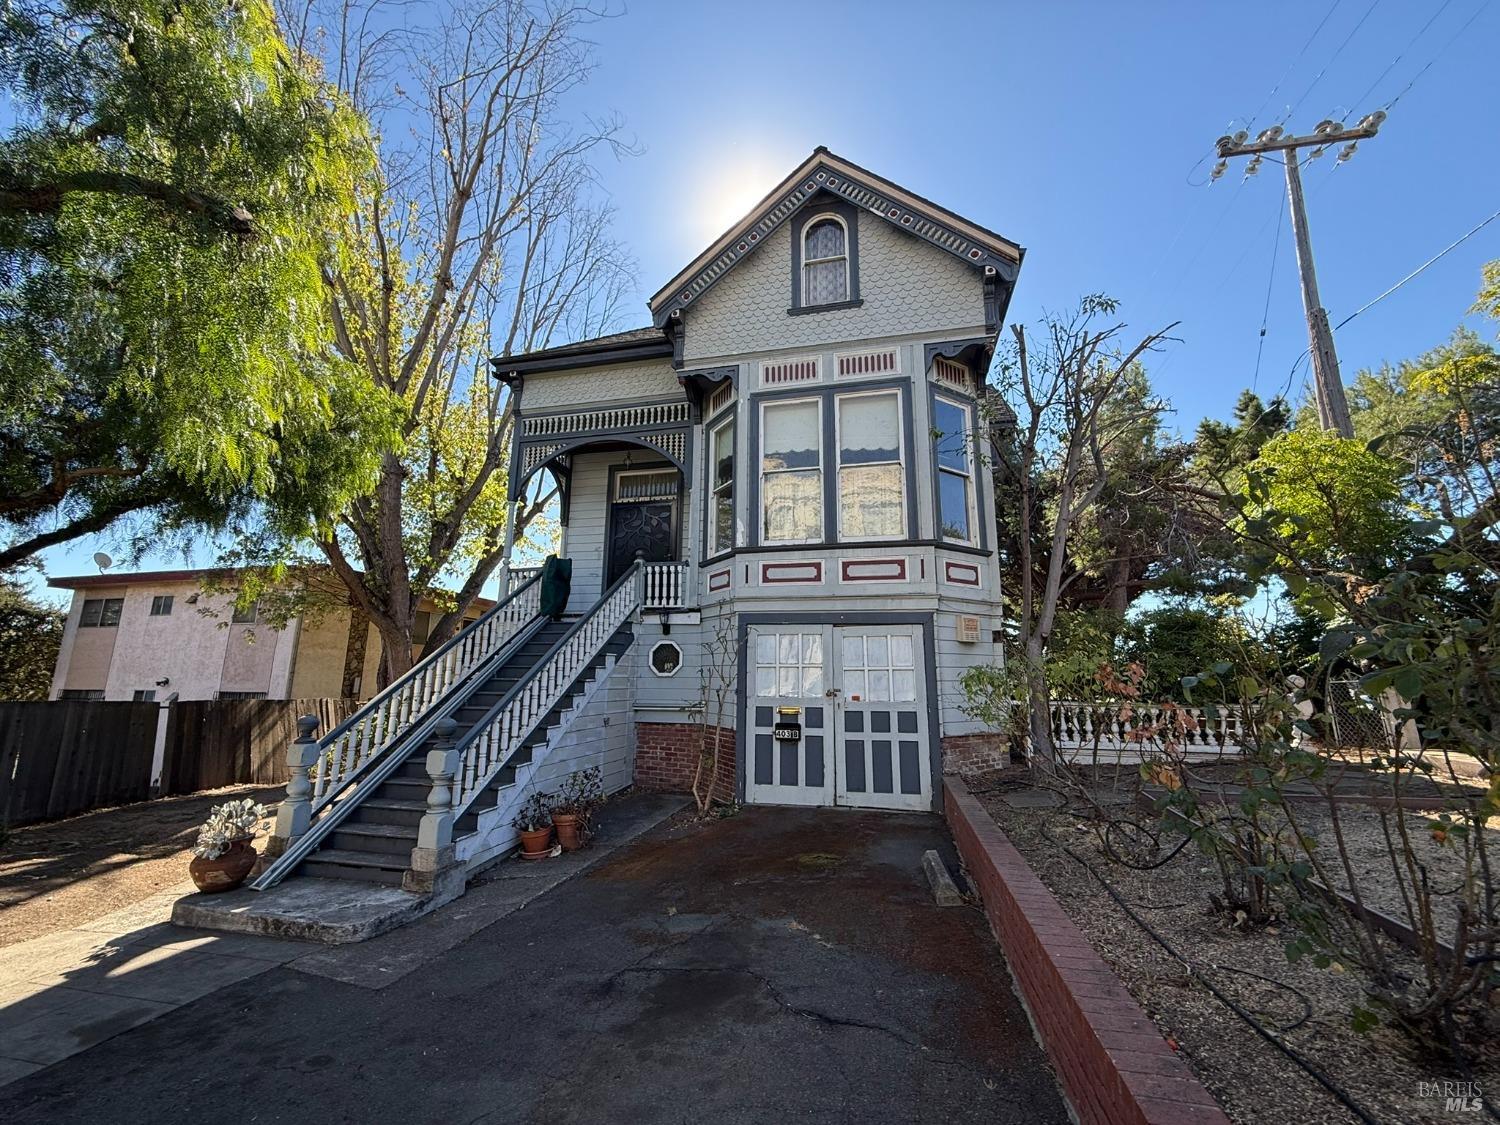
x=433 y=867
x=294 y=815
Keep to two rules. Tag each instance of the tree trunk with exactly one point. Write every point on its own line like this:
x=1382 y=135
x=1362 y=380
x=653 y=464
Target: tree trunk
x=1043 y=752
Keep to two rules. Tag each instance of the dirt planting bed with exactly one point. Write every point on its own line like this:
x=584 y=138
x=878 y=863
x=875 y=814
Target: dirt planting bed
x=1382 y=1072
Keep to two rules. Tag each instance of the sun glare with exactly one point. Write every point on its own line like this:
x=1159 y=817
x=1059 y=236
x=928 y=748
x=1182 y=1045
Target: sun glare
x=737 y=183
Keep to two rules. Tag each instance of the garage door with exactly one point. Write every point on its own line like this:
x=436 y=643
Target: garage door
x=838 y=716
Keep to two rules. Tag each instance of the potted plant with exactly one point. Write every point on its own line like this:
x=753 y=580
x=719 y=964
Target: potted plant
x=574 y=808
x=534 y=823
x=223 y=855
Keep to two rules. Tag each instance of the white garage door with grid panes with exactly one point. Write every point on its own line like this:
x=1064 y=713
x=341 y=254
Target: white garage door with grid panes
x=858 y=695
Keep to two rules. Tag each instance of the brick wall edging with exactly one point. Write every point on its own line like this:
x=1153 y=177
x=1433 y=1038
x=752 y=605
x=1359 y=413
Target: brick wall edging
x=1113 y=1063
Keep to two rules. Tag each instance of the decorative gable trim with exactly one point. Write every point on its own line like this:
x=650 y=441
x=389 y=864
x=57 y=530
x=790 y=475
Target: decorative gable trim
x=882 y=361
x=823 y=173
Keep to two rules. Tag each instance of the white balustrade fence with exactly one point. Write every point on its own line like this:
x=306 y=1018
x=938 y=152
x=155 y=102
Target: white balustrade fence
x=348 y=748
x=1114 y=728
x=520 y=575
x=487 y=747
x=664 y=585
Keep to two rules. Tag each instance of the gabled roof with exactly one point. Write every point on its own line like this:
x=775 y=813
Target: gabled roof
x=824 y=172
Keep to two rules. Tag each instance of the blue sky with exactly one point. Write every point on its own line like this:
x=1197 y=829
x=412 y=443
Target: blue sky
x=1083 y=131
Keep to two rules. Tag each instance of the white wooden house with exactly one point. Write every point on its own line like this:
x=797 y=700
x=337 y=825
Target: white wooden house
x=783 y=479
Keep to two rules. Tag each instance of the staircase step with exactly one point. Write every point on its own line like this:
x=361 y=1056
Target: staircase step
x=387 y=810
x=341 y=863
x=392 y=839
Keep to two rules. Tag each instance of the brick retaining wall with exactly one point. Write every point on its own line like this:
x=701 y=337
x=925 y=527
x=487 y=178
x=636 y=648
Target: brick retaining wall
x=1113 y=1063
x=666 y=754
x=975 y=753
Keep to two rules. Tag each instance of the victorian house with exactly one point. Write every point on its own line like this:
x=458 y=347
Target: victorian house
x=777 y=502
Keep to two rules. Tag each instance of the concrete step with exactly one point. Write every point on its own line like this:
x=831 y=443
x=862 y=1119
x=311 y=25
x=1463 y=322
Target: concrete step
x=390 y=839
x=341 y=863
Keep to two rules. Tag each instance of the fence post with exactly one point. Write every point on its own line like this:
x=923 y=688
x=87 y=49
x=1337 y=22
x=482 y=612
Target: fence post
x=295 y=814
x=159 y=748
x=433 y=869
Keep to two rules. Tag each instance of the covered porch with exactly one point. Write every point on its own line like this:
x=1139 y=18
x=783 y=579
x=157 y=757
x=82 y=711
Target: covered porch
x=624 y=484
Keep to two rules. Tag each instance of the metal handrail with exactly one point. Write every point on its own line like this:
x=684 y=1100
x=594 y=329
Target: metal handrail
x=478 y=767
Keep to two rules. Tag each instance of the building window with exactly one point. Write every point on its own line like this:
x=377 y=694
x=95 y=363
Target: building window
x=871 y=477
x=666 y=658
x=100 y=613
x=161 y=605
x=721 y=489
x=953 y=450
x=144 y=695
x=791 y=481
x=789 y=665
x=245 y=616
x=82 y=693
x=825 y=262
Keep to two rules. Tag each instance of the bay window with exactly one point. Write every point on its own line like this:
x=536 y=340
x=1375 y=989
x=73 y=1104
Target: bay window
x=791 y=471
x=871 y=478
x=721 y=488
x=954 y=454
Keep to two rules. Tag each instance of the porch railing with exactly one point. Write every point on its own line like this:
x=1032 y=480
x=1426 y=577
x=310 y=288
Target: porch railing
x=664 y=585
x=520 y=575
x=1113 y=727
x=489 y=744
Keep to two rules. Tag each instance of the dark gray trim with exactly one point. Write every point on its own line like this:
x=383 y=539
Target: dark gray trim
x=514 y=485
x=876 y=544
x=585 y=355
x=929 y=646
x=810 y=309
x=825 y=203
x=827 y=393
x=579 y=443
x=974 y=353
x=983 y=514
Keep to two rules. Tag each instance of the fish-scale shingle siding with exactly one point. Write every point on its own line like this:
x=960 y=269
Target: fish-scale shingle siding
x=905 y=284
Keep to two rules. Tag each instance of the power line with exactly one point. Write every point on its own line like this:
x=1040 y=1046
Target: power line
x=1292 y=65
x=1266 y=312
x=1401 y=55
x=1407 y=89
x=1337 y=52
x=1420 y=269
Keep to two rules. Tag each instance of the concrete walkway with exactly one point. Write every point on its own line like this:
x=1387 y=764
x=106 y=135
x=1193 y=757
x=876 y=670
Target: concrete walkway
x=778 y=965
x=71 y=990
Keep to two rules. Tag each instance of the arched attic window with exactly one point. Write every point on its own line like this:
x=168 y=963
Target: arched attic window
x=825 y=261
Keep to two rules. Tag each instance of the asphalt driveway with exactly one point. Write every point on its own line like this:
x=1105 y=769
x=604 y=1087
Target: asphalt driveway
x=776 y=965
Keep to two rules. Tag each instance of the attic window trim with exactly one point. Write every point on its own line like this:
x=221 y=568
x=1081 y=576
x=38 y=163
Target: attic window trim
x=816 y=211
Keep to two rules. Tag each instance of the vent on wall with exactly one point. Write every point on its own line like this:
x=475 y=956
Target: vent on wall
x=953 y=374
x=722 y=397
x=884 y=362
x=784 y=372
x=968 y=629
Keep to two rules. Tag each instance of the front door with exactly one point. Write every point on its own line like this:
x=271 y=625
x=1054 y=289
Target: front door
x=642 y=519
x=838 y=716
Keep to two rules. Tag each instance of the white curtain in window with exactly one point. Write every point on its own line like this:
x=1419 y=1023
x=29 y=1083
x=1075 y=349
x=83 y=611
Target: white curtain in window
x=791 y=476
x=825 y=273
x=871 y=479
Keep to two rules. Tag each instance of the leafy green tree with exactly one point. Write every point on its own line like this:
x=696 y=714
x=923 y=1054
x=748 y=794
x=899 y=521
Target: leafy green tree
x=30 y=637
x=165 y=195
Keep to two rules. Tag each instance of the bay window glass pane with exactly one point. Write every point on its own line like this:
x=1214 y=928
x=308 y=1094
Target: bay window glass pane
x=870 y=502
x=723 y=526
x=951 y=422
x=953 y=506
x=793 y=505
x=869 y=429
x=791 y=437
x=723 y=455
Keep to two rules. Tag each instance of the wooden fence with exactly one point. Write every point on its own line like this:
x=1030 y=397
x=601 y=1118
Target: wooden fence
x=62 y=758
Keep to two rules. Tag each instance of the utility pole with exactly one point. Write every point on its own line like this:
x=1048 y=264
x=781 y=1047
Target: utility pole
x=1333 y=407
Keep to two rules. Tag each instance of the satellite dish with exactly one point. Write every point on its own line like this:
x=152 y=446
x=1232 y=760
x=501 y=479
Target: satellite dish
x=103 y=561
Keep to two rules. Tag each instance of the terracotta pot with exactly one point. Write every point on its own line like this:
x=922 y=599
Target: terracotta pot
x=225 y=873
x=569 y=830
x=536 y=843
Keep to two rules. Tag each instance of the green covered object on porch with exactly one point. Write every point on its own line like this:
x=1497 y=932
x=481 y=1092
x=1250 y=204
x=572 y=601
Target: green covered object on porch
x=557 y=581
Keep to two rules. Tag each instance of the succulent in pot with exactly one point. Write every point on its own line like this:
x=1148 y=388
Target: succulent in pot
x=573 y=810
x=534 y=823
x=223 y=856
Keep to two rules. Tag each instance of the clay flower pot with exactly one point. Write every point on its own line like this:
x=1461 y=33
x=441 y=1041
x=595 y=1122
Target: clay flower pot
x=536 y=843
x=225 y=873
x=569 y=831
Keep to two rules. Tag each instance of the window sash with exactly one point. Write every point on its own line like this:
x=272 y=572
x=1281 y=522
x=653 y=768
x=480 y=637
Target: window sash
x=721 y=488
x=862 y=477
x=796 y=490
x=955 y=469
x=245 y=616
x=100 y=613
x=161 y=605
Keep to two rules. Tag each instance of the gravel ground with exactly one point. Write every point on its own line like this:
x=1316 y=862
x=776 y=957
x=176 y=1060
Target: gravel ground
x=65 y=873
x=1381 y=1071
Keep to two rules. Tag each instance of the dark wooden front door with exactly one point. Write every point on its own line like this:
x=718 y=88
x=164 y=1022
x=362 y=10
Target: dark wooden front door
x=643 y=529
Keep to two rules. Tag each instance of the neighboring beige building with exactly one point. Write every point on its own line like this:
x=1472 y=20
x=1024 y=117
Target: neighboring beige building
x=147 y=635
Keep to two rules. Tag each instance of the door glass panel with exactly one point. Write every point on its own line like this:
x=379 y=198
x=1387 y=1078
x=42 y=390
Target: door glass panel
x=765 y=680
x=878 y=650
x=854 y=684
x=765 y=648
x=789 y=683
x=812 y=680
x=880 y=685
x=788 y=644
x=812 y=649
x=854 y=650
x=903 y=685
x=901 y=651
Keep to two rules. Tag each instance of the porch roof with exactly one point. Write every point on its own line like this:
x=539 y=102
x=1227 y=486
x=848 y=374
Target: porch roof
x=618 y=347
